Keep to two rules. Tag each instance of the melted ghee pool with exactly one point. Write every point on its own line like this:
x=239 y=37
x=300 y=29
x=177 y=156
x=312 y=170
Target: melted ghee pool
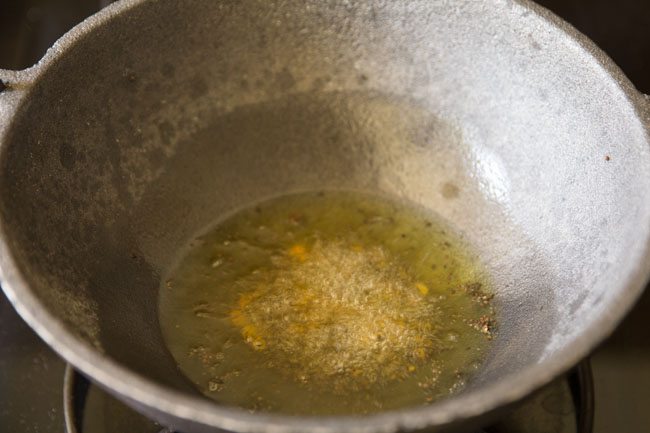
x=327 y=303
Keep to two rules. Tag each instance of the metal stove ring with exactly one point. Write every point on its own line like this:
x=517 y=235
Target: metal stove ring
x=75 y=390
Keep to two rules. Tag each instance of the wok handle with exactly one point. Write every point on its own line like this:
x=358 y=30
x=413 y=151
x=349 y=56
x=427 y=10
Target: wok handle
x=16 y=80
x=13 y=86
x=646 y=109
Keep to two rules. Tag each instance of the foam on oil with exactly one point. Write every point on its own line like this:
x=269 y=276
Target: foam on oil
x=327 y=303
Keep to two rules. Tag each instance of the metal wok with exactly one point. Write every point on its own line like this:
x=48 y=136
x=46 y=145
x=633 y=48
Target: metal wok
x=152 y=118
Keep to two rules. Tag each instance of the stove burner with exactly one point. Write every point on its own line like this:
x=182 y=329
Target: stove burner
x=88 y=409
x=564 y=406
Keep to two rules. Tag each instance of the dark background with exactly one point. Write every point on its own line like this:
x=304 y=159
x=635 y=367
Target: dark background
x=621 y=28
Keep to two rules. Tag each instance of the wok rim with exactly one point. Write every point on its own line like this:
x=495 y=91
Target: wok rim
x=156 y=398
